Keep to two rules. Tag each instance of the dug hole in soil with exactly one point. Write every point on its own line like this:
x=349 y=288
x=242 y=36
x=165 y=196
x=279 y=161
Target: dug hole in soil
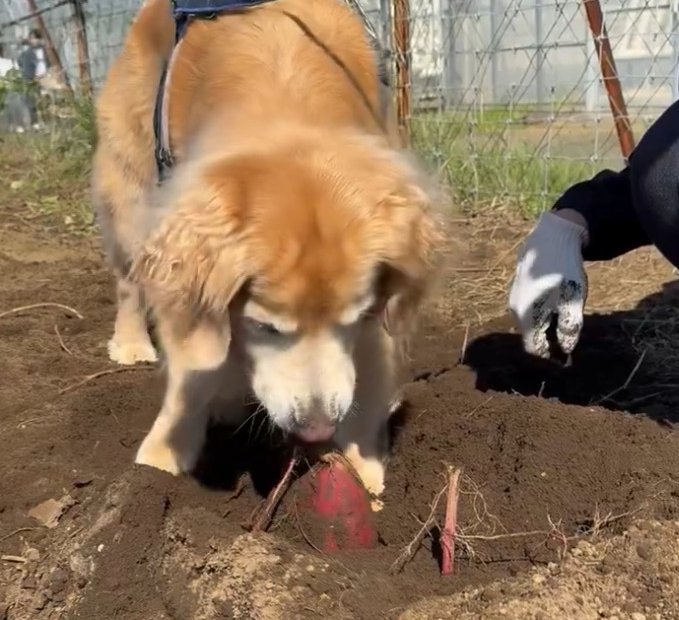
x=542 y=467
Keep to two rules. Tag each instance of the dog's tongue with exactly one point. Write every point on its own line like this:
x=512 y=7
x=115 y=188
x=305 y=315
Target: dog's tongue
x=315 y=432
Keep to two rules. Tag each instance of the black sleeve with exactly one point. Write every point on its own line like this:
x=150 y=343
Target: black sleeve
x=605 y=201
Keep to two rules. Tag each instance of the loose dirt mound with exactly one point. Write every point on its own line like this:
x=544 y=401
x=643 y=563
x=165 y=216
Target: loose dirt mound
x=540 y=473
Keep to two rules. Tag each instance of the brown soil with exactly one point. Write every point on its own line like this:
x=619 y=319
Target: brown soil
x=543 y=464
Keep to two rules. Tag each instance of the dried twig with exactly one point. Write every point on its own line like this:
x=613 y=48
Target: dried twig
x=264 y=519
x=412 y=547
x=463 y=350
x=241 y=485
x=479 y=407
x=103 y=373
x=599 y=522
x=18 y=531
x=305 y=536
x=16 y=559
x=68 y=309
x=450 y=522
x=625 y=385
x=62 y=344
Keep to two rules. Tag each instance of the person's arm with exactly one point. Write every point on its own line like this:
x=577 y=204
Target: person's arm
x=605 y=204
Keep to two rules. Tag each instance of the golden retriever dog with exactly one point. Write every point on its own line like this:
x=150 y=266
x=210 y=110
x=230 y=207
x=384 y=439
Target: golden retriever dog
x=288 y=253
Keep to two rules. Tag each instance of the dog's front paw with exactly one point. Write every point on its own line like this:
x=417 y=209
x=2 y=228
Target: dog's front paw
x=159 y=454
x=130 y=353
x=371 y=473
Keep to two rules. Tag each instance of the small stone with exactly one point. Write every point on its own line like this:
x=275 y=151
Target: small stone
x=81 y=582
x=310 y=568
x=58 y=580
x=58 y=597
x=645 y=551
x=638 y=616
x=32 y=555
x=586 y=548
x=40 y=601
x=538 y=579
x=605 y=569
x=488 y=595
x=29 y=583
x=50 y=512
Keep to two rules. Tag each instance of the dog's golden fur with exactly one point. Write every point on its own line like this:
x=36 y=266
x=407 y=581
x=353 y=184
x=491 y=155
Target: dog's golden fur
x=291 y=210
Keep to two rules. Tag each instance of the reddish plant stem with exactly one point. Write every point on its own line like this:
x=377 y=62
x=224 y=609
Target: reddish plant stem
x=450 y=523
x=264 y=519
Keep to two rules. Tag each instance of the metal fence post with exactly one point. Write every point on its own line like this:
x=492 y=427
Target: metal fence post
x=401 y=30
x=539 y=54
x=494 y=77
x=449 y=74
x=674 y=42
x=609 y=73
x=592 y=74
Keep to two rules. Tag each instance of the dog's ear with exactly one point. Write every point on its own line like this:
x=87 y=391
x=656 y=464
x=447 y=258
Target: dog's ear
x=195 y=259
x=411 y=239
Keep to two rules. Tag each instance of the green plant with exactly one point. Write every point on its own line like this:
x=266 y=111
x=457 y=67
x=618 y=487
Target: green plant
x=494 y=157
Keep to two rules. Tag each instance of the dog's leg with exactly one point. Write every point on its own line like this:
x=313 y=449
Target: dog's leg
x=362 y=435
x=197 y=363
x=130 y=342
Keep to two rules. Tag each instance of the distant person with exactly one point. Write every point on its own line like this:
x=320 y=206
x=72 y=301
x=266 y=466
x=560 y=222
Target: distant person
x=32 y=63
x=35 y=40
x=599 y=219
x=27 y=61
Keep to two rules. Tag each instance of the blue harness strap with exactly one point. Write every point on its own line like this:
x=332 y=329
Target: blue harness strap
x=204 y=8
x=183 y=12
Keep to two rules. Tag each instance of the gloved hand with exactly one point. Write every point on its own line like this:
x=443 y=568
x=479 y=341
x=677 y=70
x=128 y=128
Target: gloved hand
x=550 y=280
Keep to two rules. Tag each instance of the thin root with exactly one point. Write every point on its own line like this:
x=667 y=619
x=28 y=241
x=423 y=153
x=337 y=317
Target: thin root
x=62 y=344
x=412 y=547
x=263 y=521
x=68 y=309
x=102 y=373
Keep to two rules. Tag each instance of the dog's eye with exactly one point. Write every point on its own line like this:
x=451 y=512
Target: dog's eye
x=262 y=328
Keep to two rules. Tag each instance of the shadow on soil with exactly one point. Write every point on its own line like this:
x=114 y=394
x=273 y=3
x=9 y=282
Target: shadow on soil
x=606 y=368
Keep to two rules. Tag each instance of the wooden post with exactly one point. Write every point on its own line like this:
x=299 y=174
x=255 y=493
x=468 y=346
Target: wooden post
x=83 y=48
x=401 y=30
x=609 y=73
x=50 y=50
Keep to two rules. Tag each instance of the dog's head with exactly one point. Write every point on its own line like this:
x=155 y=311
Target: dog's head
x=322 y=242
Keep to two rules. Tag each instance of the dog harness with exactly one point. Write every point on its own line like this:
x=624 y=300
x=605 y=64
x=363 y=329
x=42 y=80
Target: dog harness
x=184 y=11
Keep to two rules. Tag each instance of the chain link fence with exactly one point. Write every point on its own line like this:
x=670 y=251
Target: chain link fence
x=506 y=97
